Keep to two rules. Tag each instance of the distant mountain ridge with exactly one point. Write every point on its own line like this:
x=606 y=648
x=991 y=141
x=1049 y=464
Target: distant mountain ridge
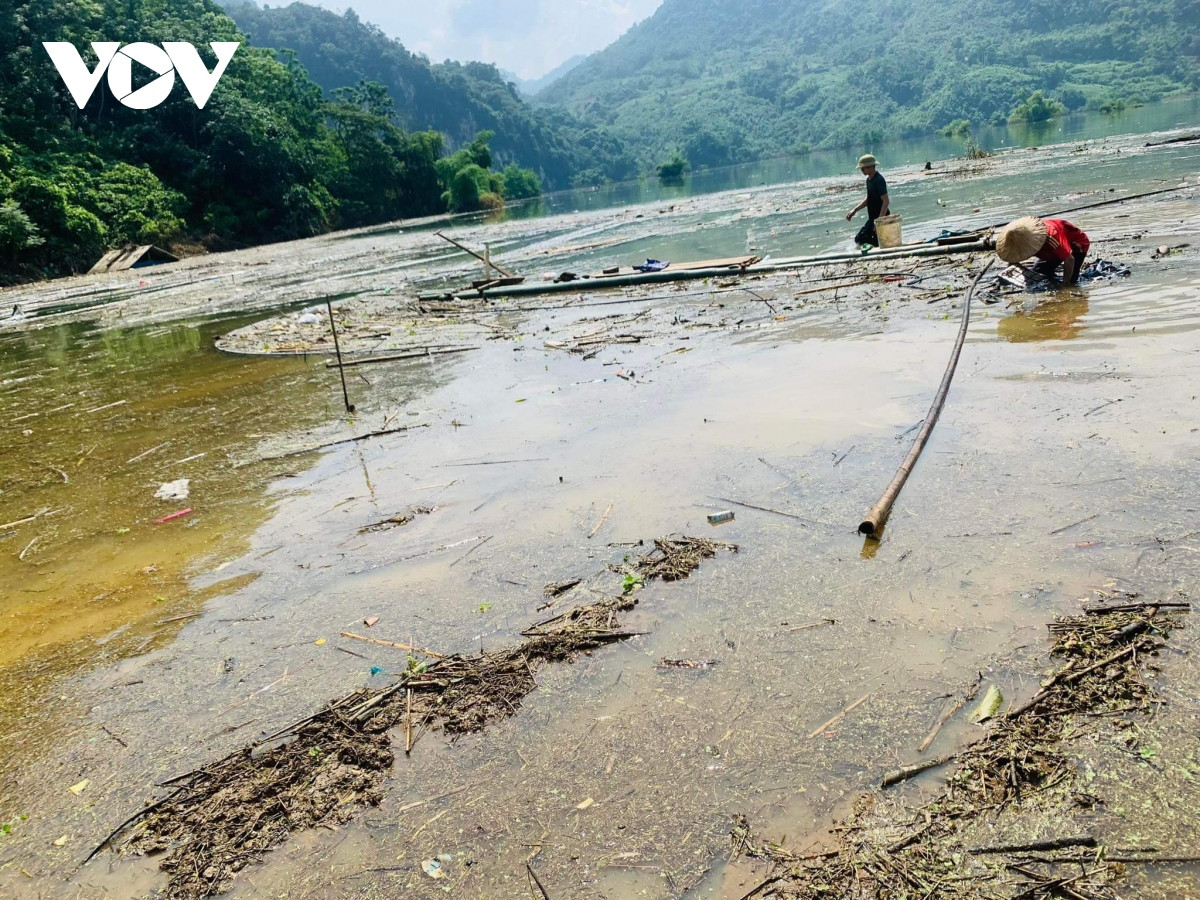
x=729 y=80
x=457 y=99
x=532 y=87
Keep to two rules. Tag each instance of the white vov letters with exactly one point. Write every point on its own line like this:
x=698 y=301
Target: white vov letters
x=174 y=57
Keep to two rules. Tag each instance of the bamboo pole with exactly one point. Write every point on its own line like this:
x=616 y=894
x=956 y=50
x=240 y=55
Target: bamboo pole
x=338 y=350
x=879 y=512
x=485 y=260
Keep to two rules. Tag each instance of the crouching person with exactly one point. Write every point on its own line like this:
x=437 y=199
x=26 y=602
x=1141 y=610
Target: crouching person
x=1055 y=242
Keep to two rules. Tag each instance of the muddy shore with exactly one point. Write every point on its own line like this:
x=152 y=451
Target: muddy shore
x=1065 y=465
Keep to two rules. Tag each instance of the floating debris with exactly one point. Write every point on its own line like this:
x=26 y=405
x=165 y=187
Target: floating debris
x=398 y=520
x=558 y=588
x=887 y=849
x=696 y=665
x=673 y=559
x=322 y=769
x=173 y=490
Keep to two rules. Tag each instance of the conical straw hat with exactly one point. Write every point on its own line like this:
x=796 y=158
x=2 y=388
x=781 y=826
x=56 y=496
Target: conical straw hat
x=1021 y=239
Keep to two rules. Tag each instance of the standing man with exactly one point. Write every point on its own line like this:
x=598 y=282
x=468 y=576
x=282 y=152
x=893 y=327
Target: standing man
x=876 y=202
x=1055 y=242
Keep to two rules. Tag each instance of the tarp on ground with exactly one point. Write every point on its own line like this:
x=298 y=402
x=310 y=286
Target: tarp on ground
x=132 y=257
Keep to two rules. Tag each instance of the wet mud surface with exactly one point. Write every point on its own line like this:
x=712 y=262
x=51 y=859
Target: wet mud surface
x=1063 y=464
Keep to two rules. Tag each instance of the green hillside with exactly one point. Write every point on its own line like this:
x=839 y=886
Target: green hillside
x=727 y=80
x=270 y=157
x=456 y=99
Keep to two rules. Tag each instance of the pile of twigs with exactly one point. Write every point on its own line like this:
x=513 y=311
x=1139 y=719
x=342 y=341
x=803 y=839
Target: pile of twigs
x=897 y=852
x=320 y=770
x=673 y=559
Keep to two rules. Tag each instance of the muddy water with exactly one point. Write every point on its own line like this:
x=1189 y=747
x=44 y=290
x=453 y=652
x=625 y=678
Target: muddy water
x=1050 y=425
x=980 y=554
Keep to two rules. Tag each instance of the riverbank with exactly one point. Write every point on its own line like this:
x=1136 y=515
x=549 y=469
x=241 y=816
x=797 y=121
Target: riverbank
x=1064 y=462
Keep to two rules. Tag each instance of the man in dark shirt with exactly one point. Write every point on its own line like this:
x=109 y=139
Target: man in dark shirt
x=876 y=202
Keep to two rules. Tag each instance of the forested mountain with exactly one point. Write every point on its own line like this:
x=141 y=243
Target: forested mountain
x=727 y=80
x=531 y=88
x=270 y=157
x=456 y=99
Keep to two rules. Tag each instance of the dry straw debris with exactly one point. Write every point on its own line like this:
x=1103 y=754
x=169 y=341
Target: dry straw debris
x=322 y=769
x=889 y=850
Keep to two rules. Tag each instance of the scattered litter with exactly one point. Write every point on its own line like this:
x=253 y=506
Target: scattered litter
x=78 y=789
x=436 y=868
x=700 y=665
x=319 y=770
x=308 y=318
x=173 y=516
x=989 y=706
x=1103 y=268
x=673 y=559
x=586 y=803
x=320 y=642
x=1165 y=250
x=558 y=588
x=371 y=621
x=718 y=518
x=396 y=521
x=1018 y=278
x=652 y=265
x=173 y=490
x=61 y=842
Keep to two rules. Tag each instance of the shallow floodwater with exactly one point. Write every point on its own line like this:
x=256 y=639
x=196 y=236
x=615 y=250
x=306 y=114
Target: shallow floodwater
x=1066 y=455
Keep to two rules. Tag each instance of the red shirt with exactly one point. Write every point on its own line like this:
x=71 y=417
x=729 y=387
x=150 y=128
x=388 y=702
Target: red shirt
x=1062 y=238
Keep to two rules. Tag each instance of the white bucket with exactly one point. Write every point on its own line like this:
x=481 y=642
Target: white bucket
x=887 y=230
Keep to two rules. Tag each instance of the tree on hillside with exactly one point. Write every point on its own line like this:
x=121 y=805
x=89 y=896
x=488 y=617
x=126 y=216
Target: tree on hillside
x=271 y=156
x=456 y=99
x=1037 y=107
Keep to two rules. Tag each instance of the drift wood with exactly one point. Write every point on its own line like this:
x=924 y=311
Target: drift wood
x=486 y=261
x=878 y=514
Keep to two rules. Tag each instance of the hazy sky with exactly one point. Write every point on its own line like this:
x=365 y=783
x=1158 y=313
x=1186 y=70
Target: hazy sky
x=528 y=37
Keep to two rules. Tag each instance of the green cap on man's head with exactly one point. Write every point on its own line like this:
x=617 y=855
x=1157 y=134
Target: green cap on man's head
x=866 y=162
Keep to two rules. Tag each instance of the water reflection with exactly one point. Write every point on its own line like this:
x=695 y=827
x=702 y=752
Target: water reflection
x=1050 y=320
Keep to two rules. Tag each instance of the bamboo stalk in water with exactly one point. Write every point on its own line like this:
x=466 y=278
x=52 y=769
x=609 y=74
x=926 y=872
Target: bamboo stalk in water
x=879 y=512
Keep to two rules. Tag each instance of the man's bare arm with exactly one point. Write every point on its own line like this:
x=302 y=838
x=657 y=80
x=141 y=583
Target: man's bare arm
x=1069 y=270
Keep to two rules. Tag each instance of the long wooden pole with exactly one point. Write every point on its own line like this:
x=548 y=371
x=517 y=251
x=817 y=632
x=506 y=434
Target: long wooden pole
x=337 y=348
x=879 y=512
x=485 y=261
